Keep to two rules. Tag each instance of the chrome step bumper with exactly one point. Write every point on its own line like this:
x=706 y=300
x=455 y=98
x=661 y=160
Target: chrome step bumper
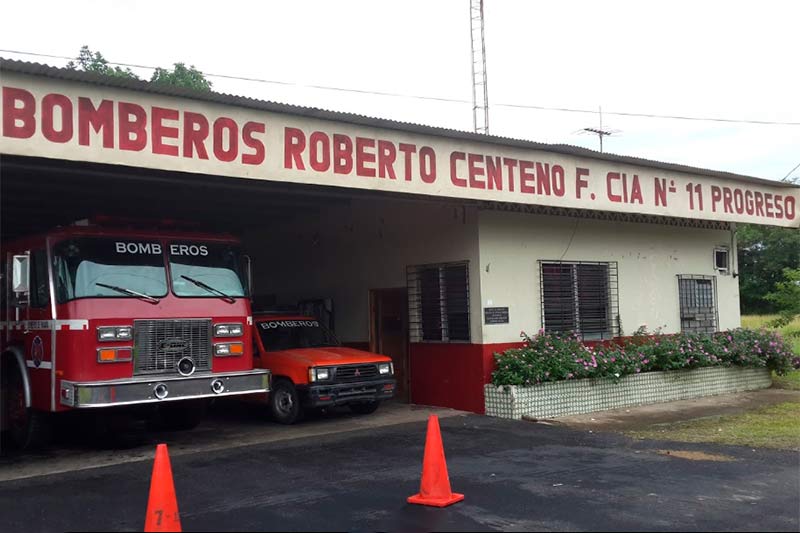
x=153 y=389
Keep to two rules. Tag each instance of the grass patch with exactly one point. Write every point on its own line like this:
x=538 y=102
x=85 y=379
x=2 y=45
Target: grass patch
x=790 y=381
x=776 y=426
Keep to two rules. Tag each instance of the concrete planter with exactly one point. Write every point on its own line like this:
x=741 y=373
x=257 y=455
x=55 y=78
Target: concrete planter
x=561 y=398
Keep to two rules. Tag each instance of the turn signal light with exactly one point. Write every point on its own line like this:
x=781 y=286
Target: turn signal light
x=113 y=355
x=237 y=349
x=225 y=349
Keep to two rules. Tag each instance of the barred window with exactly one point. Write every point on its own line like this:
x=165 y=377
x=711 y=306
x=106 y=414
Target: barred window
x=438 y=302
x=697 y=295
x=580 y=296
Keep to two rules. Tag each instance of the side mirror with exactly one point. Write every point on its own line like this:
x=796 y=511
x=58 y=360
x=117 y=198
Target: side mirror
x=249 y=275
x=20 y=277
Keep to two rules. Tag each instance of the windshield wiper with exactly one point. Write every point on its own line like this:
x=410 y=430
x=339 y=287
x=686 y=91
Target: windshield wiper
x=130 y=292
x=227 y=297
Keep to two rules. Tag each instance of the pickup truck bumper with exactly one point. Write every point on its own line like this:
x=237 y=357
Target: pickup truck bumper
x=162 y=388
x=344 y=393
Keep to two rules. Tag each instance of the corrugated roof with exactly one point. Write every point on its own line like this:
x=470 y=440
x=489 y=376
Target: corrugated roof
x=37 y=69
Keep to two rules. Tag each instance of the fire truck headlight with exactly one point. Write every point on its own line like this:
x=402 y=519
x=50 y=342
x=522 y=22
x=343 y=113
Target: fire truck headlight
x=385 y=368
x=225 y=349
x=228 y=330
x=114 y=333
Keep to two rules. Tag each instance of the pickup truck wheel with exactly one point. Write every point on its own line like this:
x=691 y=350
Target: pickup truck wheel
x=365 y=408
x=28 y=428
x=284 y=402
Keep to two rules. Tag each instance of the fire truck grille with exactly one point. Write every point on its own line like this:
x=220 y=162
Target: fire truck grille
x=160 y=344
x=356 y=372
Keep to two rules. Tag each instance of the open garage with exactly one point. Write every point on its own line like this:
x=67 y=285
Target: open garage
x=434 y=247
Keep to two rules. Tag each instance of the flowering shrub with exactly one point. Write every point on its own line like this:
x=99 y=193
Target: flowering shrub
x=560 y=356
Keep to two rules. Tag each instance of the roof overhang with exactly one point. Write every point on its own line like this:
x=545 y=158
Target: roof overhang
x=62 y=114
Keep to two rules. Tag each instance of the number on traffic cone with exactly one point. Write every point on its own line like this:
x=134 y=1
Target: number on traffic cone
x=162 y=506
x=434 y=488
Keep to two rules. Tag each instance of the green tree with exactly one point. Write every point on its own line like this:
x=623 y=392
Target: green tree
x=89 y=61
x=787 y=296
x=181 y=76
x=764 y=253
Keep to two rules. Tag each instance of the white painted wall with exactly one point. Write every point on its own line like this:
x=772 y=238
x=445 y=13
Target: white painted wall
x=346 y=250
x=649 y=258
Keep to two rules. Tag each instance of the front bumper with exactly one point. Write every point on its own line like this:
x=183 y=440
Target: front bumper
x=142 y=389
x=344 y=393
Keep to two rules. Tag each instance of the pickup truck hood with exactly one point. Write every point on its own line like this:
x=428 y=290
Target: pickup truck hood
x=332 y=356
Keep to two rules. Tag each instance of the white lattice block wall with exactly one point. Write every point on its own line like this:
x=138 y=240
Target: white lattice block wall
x=561 y=398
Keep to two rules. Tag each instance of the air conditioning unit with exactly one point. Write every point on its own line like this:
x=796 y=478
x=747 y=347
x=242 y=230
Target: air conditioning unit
x=722 y=260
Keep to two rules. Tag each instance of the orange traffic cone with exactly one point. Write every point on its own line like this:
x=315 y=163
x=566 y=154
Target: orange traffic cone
x=434 y=489
x=162 y=506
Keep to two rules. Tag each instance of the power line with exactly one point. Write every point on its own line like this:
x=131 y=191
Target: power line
x=786 y=177
x=441 y=99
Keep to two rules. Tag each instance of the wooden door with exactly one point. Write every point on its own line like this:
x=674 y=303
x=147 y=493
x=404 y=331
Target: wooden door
x=389 y=333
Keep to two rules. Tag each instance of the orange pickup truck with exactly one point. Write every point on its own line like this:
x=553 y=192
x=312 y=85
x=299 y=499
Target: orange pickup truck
x=310 y=368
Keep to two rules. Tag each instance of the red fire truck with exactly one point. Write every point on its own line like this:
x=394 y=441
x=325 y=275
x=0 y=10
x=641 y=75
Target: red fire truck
x=96 y=318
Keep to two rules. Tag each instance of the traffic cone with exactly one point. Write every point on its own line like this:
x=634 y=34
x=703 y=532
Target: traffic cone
x=434 y=489
x=162 y=506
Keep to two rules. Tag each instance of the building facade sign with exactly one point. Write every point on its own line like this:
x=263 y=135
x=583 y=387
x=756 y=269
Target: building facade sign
x=42 y=117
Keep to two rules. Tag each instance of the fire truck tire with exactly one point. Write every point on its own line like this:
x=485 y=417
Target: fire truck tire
x=28 y=428
x=365 y=408
x=181 y=416
x=284 y=402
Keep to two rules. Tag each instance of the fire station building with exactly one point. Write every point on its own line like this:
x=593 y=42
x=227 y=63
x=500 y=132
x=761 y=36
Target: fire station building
x=433 y=246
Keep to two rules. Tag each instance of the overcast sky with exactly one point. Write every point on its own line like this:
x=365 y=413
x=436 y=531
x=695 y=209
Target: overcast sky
x=735 y=60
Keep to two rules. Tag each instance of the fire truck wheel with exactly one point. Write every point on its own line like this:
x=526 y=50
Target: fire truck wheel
x=181 y=416
x=365 y=408
x=284 y=402
x=29 y=429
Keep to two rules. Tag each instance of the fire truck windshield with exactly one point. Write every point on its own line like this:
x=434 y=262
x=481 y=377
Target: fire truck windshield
x=92 y=267
x=201 y=268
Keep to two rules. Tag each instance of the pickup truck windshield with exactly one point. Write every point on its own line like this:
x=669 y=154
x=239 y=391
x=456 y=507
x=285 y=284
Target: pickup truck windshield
x=282 y=334
x=92 y=267
x=201 y=269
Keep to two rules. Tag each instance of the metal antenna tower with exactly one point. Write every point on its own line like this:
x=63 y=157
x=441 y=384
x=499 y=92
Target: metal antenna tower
x=480 y=91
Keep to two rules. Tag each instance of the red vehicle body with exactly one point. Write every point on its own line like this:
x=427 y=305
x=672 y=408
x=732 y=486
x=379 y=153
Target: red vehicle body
x=311 y=369
x=122 y=318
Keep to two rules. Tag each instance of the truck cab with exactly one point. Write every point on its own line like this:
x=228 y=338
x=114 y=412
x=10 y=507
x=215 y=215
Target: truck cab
x=96 y=317
x=311 y=368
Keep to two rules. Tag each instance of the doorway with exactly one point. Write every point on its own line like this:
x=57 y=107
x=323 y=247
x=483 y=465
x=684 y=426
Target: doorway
x=388 y=333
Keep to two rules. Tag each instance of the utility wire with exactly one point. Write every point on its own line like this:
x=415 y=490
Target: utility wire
x=786 y=177
x=439 y=99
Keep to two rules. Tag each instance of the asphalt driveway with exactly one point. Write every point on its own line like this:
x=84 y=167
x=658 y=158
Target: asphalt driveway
x=515 y=475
